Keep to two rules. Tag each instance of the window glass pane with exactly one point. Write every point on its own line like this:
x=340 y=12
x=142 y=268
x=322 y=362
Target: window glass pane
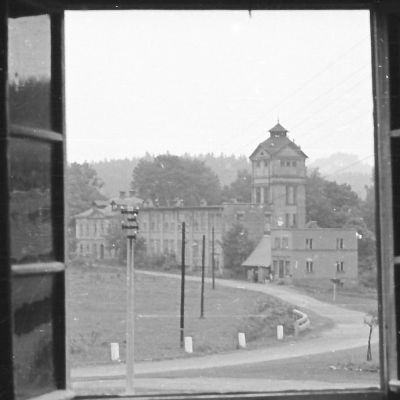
x=30 y=201
x=183 y=122
x=29 y=68
x=33 y=299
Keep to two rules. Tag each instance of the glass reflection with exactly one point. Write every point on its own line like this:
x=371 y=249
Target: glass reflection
x=30 y=201
x=33 y=335
x=29 y=64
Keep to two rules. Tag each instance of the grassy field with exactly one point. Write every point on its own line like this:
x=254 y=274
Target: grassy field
x=97 y=300
x=356 y=298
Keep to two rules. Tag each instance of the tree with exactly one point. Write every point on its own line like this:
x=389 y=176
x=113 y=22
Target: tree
x=236 y=246
x=329 y=204
x=83 y=187
x=370 y=319
x=167 y=178
x=240 y=189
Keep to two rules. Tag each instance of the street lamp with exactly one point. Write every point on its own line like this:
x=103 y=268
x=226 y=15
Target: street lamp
x=131 y=227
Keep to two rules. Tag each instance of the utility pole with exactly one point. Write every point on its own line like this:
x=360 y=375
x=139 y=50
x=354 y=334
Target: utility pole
x=132 y=228
x=182 y=324
x=203 y=256
x=213 y=257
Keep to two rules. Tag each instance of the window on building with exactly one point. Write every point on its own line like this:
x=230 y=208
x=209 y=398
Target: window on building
x=240 y=216
x=266 y=195
x=294 y=163
x=287 y=220
x=287 y=268
x=285 y=242
x=339 y=266
x=277 y=242
x=309 y=243
x=309 y=266
x=340 y=243
x=265 y=163
x=258 y=195
x=294 y=220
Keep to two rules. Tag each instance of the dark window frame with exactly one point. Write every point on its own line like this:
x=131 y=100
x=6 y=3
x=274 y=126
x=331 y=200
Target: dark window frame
x=385 y=153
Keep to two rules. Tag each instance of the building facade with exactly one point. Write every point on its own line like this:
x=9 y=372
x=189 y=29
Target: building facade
x=295 y=249
x=288 y=247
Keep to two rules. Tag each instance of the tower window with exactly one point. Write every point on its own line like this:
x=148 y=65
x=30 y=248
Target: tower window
x=309 y=266
x=340 y=243
x=258 y=195
x=309 y=244
x=339 y=266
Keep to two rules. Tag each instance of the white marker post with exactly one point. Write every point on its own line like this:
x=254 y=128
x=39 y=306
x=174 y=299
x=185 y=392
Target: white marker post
x=114 y=351
x=279 y=332
x=188 y=344
x=242 y=340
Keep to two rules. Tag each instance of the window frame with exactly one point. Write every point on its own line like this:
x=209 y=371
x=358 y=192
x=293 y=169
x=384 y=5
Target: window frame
x=390 y=383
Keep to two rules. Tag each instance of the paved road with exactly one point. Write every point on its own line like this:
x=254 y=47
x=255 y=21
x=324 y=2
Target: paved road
x=348 y=332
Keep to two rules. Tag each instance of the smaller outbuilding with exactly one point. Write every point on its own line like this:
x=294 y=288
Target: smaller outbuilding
x=258 y=264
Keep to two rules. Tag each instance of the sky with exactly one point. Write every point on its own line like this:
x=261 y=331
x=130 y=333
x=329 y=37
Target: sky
x=216 y=82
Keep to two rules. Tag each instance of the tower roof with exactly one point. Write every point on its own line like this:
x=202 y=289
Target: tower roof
x=278 y=130
x=277 y=141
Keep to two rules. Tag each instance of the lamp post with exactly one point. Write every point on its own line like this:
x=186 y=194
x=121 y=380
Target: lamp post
x=132 y=228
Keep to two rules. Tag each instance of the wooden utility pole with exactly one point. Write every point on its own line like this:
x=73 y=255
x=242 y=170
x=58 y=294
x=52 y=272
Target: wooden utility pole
x=182 y=322
x=203 y=256
x=213 y=257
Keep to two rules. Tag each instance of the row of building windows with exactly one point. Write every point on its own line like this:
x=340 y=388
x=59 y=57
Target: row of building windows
x=263 y=195
x=283 y=242
x=91 y=229
x=283 y=163
x=339 y=243
x=310 y=266
x=288 y=163
x=92 y=250
x=199 y=224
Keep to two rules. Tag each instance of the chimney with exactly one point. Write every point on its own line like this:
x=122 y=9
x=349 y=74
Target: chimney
x=122 y=194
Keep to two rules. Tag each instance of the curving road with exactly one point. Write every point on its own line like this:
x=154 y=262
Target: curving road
x=348 y=332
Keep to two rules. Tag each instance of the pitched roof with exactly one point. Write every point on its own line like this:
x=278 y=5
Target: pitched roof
x=92 y=212
x=261 y=255
x=278 y=128
x=277 y=142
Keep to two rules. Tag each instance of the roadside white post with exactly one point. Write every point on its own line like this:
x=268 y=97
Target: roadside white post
x=114 y=351
x=188 y=344
x=242 y=340
x=279 y=332
x=132 y=228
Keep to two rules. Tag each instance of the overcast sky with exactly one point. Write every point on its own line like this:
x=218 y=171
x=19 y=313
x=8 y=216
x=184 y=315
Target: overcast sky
x=201 y=82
